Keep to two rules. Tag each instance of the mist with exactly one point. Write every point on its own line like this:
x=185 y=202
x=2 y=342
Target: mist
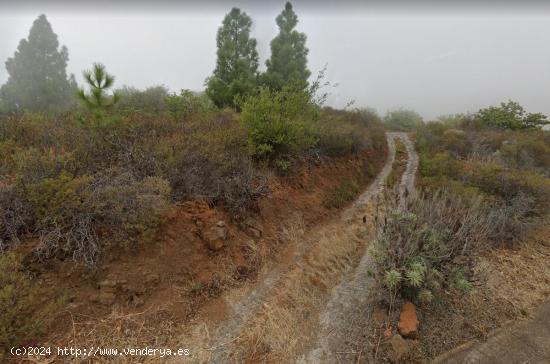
x=434 y=61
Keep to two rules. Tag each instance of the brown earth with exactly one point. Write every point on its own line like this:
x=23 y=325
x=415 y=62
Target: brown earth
x=140 y=296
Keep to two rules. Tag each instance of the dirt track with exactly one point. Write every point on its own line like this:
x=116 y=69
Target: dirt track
x=349 y=302
x=315 y=290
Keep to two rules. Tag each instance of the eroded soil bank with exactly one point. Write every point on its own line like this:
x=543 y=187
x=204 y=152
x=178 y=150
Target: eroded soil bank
x=145 y=295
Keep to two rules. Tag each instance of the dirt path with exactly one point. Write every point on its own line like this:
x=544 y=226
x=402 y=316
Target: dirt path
x=349 y=304
x=269 y=320
x=518 y=343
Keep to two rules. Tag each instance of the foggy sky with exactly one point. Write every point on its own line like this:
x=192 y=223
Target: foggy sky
x=435 y=61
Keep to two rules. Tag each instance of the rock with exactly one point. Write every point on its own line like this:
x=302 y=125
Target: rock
x=220 y=223
x=379 y=315
x=108 y=283
x=215 y=237
x=388 y=333
x=107 y=298
x=137 y=301
x=408 y=321
x=254 y=232
x=254 y=227
x=400 y=346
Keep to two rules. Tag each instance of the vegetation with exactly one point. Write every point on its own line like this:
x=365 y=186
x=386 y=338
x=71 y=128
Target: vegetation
x=483 y=185
x=237 y=65
x=152 y=99
x=511 y=115
x=344 y=193
x=25 y=311
x=37 y=73
x=99 y=81
x=288 y=62
x=280 y=124
x=425 y=249
x=188 y=103
x=403 y=120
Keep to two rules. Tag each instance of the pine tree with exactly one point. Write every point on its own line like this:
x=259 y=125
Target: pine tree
x=288 y=63
x=99 y=81
x=237 y=64
x=37 y=73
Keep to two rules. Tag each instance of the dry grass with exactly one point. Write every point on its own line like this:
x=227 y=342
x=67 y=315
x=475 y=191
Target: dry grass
x=153 y=327
x=275 y=333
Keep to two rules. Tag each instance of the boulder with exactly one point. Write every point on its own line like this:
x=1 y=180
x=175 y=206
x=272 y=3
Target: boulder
x=254 y=227
x=408 y=321
x=379 y=315
x=106 y=298
x=400 y=347
x=215 y=237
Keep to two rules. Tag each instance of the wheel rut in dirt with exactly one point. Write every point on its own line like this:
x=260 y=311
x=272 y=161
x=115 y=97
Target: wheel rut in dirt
x=287 y=298
x=350 y=302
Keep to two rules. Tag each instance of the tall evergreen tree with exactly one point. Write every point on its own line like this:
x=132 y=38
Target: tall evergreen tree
x=237 y=64
x=37 y=73
x=288 y=62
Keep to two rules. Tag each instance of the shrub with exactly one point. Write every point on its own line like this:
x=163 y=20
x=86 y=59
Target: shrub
x=511 y=115
x=188 y=103
x=416 y=247
x=152 y=99
x=71 y=214
x=15 y=217
x=344 y=193
x=438 y=165
x=508 y=184
x=27 y=311
x=279 y=123
x=341 y=133
x=527 y=150
x=403 y=120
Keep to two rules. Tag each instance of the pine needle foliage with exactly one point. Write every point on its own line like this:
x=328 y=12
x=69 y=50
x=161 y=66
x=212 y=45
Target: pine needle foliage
x=98 y=101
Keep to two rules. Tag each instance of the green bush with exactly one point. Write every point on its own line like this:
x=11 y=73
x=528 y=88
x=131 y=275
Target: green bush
x=403 y=120
x=342 y=133
x=27 y=309
x=152 y=99
x=279 y=123
x=508 y=184
x=527 y=150
x=188 y=103
x=511 y=115
x=438 y=165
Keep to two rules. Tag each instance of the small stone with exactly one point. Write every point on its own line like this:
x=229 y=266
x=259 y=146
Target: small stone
x=215 y=237
x=152 y=278
x=408 y=321
x=107 y=283
x=107 y=298
x=379 y=315
x=399 y=345
x=220 y=223
x=254 y=227
x=137 y=301
x=255 y=232
x=388 y=333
